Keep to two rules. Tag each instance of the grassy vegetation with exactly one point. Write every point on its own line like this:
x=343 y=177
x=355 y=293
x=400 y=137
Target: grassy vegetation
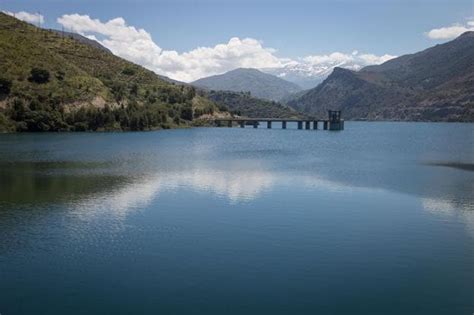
x=54 y=83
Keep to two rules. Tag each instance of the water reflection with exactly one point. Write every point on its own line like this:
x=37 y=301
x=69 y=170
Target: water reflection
x=99 y=185
x=243 y=215
x=42 y=182
x=122 y=173
x=450 y=209
x=238 y=186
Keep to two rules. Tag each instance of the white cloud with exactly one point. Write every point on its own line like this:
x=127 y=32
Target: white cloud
x=450 y=32
x=341 y=59
x=33 y=18
x=123 y=40
x=371 y=59
x=138 y=46
x=334 y=58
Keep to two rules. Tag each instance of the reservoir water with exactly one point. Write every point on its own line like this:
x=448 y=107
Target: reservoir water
x=376 y=219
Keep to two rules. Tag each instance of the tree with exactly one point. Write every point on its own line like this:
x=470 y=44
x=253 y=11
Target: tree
x=128 y=71
x=134 y=89
x=17 y=110
x=187 y=112
x=39 y=76
x=118 y=90
x=5 y=86
x=191 y=93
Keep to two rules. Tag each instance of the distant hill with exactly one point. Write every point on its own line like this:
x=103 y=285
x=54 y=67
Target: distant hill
x=50 y=82
x=243 y=104
x=259 y=84
x=302 y=75
x=436 y=84
x=308 y=75
x=287 y=99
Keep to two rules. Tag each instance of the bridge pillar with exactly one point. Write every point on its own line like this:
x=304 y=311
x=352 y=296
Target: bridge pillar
x=335 y=121
x=325 y=125
x=283 y=124
x=242 y=124
x=269 y=124
x=315 y=125
x=255 y=124
x=229 y=124
x=307 y=125
x=336 y=125
x=218 y=123
x=300 y=125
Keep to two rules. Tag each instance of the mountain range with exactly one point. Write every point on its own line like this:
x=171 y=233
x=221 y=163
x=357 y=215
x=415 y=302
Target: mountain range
x=51 y=81
x=308 y=72
x=259 y=84
x=300 y=74
x=436 y=84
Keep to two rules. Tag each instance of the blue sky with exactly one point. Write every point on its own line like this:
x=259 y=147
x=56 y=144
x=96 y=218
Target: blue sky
x=295 y=29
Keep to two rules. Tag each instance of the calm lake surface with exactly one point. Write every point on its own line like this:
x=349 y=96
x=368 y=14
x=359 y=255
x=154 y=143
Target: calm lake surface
x=376 y=219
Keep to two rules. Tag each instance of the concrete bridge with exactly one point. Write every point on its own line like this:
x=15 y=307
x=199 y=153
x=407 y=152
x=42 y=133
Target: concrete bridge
x=334 y=122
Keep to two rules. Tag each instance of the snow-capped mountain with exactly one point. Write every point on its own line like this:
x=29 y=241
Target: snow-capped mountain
x=312 y=70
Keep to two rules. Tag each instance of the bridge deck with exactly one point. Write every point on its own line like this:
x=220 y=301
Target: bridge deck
x=267 y=119
x=327 y=123
x=334 y=121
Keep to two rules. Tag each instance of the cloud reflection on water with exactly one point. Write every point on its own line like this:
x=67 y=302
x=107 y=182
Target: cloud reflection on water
x=98 y=193
x=451 y=209
x=235 y=185
x=242 y=186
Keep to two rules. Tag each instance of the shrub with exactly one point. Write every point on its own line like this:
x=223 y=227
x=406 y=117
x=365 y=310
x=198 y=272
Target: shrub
x=60 y=75
x=191 y=93
x=118 y=90
x=187 y=113
x=17 y=110
x=128 y=71
x=222 y=108
x=5 y=124
x=81 y=126
x=198 y=112
x=134 y=89
x=5 y=86
x=39 y=76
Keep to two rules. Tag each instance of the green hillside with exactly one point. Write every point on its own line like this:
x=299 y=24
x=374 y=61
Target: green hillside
x=243 y=104
x=53 y=83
